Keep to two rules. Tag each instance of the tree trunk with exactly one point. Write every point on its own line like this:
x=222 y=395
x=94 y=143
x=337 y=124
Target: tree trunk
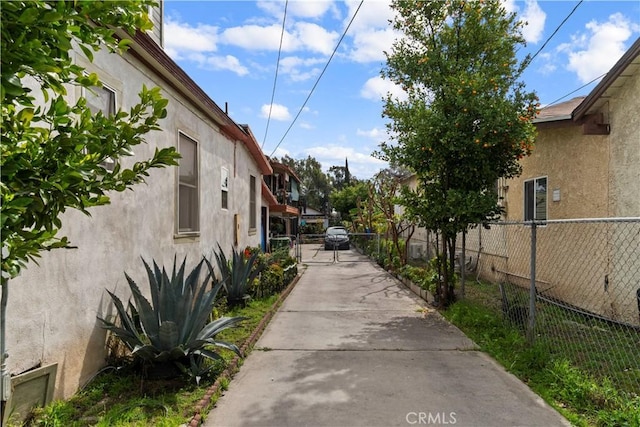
x=446 y=267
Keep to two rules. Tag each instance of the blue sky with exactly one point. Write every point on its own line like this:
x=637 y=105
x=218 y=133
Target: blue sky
x=230 y=48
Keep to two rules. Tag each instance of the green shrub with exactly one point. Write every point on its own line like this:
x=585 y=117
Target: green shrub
x=238 y=274
x=270 y=281
x=173 y=328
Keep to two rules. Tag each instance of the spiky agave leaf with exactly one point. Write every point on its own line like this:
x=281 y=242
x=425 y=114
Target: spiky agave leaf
x=128 y=328
x=154 y=283
x=180 y=306
x=168 y=336
x=224 y=344
x=237 y=273
x=202 y=307
x=147 y=316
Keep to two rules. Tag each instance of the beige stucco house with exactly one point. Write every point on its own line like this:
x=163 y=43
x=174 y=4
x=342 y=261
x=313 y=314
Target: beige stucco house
x=587 y=153
x=585 y=165
x=216 y=196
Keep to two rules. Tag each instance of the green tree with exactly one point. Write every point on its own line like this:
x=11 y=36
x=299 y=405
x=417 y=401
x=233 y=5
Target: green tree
x=385 y=189
x=54 y=150
x=346 y=201
x=467 y=119
x=315 y=183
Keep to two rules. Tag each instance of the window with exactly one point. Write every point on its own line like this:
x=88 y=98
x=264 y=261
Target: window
x=252 y=202
x=188 y=192
x=224 y=186
x=535 y=199
x=102 y=99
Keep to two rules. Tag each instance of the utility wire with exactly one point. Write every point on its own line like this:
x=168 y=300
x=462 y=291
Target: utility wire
x=319 y=77
x=554 y=33
x=574 y=91
x=275 y=79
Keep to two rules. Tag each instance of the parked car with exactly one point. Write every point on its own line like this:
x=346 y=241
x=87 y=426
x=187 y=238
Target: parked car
x=336 y=238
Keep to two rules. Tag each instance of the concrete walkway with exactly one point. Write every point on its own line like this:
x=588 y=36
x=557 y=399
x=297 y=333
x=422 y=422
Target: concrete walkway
x=351 y=346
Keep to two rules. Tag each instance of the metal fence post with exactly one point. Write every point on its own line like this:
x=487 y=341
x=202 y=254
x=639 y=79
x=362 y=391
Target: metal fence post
x=532 y=287
x=463 y=264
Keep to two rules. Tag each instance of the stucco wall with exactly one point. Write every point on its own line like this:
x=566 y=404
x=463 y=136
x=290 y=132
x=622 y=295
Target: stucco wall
x=53 y=307
x=624 y=179
x=591 y=266
x=573 y=163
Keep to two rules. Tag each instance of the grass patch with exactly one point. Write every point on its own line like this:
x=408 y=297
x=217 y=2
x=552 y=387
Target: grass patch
x=585 y=399
x=122 y=398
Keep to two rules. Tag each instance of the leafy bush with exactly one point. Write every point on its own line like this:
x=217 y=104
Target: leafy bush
x=271 y=281
x=174 y=327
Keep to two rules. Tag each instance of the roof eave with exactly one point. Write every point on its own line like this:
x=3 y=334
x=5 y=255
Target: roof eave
x=148 y=51
x=552 y=119
x=615 y=72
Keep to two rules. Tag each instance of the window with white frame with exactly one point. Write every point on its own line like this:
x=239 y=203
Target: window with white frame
x=224 y=188
x=252 y=202
x=535 y=199
x=102 y=99
x=188 y=186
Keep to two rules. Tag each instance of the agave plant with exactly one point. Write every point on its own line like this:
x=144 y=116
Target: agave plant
x=237 y=274
x=174 y=326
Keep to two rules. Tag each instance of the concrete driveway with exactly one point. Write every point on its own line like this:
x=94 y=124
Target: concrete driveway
x=351 y=346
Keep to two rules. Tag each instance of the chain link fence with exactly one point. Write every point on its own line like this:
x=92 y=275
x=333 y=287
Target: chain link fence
x=584 y=276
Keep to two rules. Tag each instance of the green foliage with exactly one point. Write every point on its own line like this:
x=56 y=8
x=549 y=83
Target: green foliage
x=112 y=397
x=583 y=399
x=467 y=118
x=271 y=281
x=53 y=150
x=174 y=326
x=238 y=274
x=346 y=199
x=315 y=185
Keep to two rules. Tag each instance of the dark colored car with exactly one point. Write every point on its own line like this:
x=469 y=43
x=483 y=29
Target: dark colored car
x=336 y=238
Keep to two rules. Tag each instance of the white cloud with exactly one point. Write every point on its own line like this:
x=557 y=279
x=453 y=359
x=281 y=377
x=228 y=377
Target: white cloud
x=307 y=126
x=375 y=133
x=377 y=88
x=228 y=62
x=301 y=9
x=310 y=9
x=281 y=152
x=361 y=165
x=593 y=53
x=370 y=45
x=303 y=36
x=184 y=42
x=372 y=14
x=315 y=38
x=293 y=67
x=278 y=112
x=181 y=38
x=535 y=18
x=257 y=37
x=370 y=30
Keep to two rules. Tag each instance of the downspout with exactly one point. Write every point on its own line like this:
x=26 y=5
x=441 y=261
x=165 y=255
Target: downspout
x=5 y=380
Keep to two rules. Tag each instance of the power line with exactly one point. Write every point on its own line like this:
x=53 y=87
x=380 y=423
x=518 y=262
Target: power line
x=554 y=33
x=319 y=77
x=574 y=91
x=275 y=79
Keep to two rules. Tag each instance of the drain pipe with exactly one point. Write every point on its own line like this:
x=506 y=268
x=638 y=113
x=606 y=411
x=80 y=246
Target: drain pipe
x=5 y=380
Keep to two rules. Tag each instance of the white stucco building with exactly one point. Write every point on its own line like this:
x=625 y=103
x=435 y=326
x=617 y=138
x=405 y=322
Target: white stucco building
x=214 y=197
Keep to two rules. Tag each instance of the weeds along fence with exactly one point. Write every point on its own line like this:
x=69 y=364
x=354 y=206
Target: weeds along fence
x=572 y=285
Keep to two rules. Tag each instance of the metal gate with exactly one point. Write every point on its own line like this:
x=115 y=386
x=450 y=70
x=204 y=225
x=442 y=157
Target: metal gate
x=311 y=249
